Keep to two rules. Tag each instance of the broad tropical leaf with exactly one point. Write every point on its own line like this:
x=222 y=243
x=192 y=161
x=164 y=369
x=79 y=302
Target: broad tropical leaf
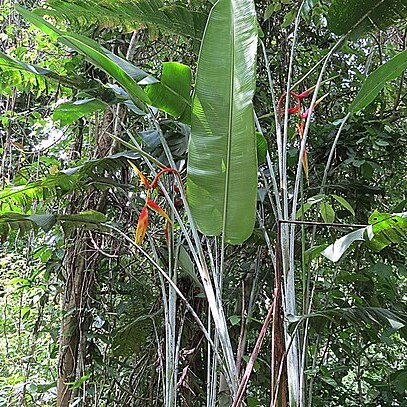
x=9 y=62
x=222 y=166
x=128 y=15
x=376 y=81
x=26 y=222
x=97 y=55
x=92 y=87
x=68 y=180
x=336 y=250
x=67 y=113
x=261 y=148
x=362 y=16
x=89 y=219
x=386 y=229
x=173 y=93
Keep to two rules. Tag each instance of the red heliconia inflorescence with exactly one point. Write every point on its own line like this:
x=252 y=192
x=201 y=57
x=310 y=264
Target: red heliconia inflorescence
x=142 y=223
x=303 y=116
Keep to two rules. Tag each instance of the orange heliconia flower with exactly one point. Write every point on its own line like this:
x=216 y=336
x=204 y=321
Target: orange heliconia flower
x=142 y=225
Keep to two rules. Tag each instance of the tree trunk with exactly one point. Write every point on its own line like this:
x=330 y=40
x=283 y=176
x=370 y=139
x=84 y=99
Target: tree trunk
x=79 y=265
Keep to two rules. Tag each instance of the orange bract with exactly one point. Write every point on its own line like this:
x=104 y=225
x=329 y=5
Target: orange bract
x=143 y=179
x=142 y=225
x=155 y=207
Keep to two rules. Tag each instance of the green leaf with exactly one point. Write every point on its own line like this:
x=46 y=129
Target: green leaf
x=289 y=18
x=67 y=113
x=361 y=16
x=342 y=201
x=309 y=204
x=9 y=62
x=269 y=11
x=386 y=229
x=383 y=270
x=172 y=93
x=76 y=82
x=261 y=148
x=131 y=337
x=89 y=219
x=314 y=252
x=97 y=55
x=327 y=212
x=376 y=81
x=235 y=319
x=359 y=316
x=24 y=223
x=188 y=266
x=222 y=165
x=127 y=15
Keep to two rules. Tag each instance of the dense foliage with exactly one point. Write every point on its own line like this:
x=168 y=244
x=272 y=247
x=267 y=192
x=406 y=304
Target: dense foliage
x=101 y=309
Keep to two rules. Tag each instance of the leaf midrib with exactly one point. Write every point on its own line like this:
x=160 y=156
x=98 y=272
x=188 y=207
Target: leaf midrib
x=230 y=124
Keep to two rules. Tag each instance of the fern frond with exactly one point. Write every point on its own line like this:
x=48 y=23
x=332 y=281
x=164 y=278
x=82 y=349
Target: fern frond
x=127 y=15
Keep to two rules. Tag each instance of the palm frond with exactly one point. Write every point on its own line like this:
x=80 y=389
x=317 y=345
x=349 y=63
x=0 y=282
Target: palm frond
x=127 y=15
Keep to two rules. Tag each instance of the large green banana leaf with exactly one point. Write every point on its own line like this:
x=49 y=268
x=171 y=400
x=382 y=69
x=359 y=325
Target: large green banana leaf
x=97 y=55
x=222 y=164
x=377 y=80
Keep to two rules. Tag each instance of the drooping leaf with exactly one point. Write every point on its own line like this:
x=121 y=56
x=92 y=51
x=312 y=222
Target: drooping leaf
x=130 y=338
x=336 y=250
x=364 y=15
x=110 y=163
x=89 y=219
x=359 y=316
x=97 y=55
x=384 y=229
x=24 y=223
x=376 y=81
x=188 y=266
x=127 y=15
x=67 y=113
x=309 y=204
x=9 y=63
x=314 y=252
x=172 y=93
x=342 y=201
x=52 y=184
x=222 y=164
